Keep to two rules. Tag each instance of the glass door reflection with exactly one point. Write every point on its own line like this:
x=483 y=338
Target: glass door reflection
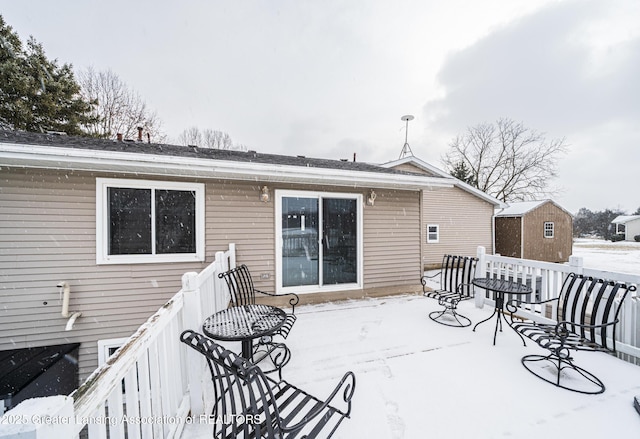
x=300 y=252
x=339 y=241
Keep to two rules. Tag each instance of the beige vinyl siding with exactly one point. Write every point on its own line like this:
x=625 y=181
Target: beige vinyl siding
x=392 y=240
x=236 y=214
x=464 y=220
x=48 y=235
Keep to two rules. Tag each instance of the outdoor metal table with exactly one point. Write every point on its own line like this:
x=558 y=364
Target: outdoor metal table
x=500 y=287
x=244 y=323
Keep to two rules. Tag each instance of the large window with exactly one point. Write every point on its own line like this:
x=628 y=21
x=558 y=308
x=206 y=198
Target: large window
x=141 y=221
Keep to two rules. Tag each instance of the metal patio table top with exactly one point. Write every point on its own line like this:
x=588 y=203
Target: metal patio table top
x=244 y=323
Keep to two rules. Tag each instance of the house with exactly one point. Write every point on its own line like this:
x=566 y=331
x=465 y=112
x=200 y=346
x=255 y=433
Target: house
x=456 y=219
x=107 y=228
x=539 y=230
x=627 y=225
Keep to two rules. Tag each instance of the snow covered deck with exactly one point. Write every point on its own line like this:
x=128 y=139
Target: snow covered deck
x=416 y=378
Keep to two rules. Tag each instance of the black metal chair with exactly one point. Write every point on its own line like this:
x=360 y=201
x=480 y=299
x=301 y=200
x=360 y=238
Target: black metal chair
x=587 y=310
x=243 y=292
x=455 y=286
x=249 y=404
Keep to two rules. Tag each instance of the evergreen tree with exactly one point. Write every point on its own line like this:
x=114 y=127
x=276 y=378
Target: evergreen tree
x=36 y=94
x=463 y=173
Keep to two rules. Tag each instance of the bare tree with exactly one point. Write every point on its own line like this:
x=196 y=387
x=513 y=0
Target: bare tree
x=507 y=160
x=217 y=139
x=207 y=139
x=118 y=108
x=190 y=137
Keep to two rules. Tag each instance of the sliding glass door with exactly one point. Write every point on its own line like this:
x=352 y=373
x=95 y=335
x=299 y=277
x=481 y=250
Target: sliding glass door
x=320 y=240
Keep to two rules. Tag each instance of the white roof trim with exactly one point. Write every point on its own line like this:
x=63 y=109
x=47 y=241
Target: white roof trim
x=45 y=157
x=456 y=182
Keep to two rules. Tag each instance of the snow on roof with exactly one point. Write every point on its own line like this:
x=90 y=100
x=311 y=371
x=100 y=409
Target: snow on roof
x=623 y=219
x=520 y=208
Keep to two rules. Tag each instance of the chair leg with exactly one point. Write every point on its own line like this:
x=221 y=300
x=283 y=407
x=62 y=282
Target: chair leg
x=450 y=317
x=560 y=366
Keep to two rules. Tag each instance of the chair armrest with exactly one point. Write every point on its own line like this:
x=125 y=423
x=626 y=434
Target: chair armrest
x=423 y=281
x=431 y=276
x=511 y=303
x=459 y=287
x=348 y=381
x=293 y=301
x=562 y=326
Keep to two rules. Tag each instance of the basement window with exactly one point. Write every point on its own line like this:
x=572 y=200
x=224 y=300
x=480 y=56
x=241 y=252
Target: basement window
x=140 y=221
x=548 y=229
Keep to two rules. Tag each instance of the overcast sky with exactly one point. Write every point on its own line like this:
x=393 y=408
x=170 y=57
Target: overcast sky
x=333 y=78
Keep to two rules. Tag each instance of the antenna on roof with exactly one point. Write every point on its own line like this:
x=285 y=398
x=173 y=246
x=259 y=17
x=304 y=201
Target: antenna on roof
x=406 y=149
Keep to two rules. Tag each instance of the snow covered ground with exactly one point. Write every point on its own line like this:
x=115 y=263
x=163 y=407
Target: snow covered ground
x=622 y=256
x=418 y=379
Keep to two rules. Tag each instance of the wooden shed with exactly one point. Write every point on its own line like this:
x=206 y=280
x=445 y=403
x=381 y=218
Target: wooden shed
x=539 y=230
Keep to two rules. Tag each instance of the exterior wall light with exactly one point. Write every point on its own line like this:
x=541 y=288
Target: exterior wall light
x=265 y=197
x=371 y=199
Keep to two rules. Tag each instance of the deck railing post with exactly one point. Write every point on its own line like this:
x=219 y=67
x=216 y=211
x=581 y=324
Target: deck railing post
x=480 y=272
x=232 y=255
x=577 y=264
x=192 y=319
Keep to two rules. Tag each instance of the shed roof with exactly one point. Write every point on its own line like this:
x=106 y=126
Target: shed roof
x=521 y=208
x=55 y=151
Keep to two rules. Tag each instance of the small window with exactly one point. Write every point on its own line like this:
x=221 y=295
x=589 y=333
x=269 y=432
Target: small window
x=433 y=233
x=106 y=348
x=548 y=230
x=146 y=221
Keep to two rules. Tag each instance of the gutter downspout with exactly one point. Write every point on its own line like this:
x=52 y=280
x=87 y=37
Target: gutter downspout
x=66 y=293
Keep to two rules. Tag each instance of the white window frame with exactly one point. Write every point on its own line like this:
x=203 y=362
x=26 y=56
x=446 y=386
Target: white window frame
x=552 y=229
x=104 y=346
x=437 y=232
x=304 y=289
x=102 y=222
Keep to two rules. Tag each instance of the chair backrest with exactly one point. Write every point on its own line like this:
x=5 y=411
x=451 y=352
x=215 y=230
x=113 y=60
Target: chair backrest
x=456 y=271
x=240 y=286
x=586 y=300
x=244 y=401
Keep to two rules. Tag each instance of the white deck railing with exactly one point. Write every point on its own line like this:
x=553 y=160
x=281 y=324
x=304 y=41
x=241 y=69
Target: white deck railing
x=148 y=387
x=546 y=280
